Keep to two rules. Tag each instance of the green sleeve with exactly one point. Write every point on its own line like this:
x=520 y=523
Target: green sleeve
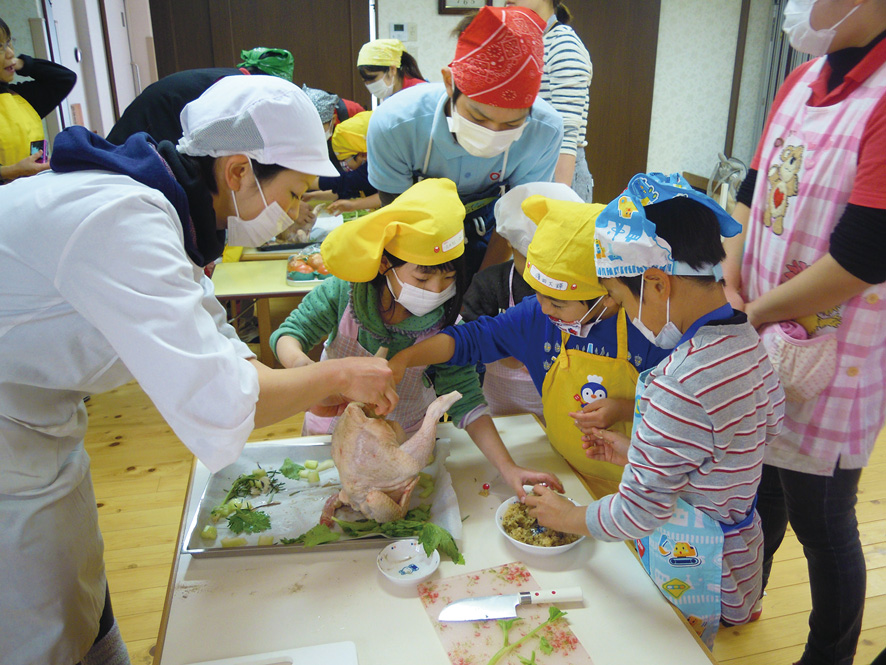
x=317 y=315
x=465 y=381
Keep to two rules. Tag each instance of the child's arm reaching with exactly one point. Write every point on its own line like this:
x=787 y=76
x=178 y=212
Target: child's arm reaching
x=290 y=353
x=603 y=413
x=484 y=435
x=435 y=350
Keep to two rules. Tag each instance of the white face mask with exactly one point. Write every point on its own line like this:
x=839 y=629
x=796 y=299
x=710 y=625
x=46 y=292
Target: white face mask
x=381 y=88
x=802 y=35
x=480 y=141
x=269 y=223
x=668 y=337
x=420 y=301
x=577 y=328
x=328 y=131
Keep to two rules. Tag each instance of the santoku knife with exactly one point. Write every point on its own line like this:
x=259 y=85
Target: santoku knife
x=505 y=606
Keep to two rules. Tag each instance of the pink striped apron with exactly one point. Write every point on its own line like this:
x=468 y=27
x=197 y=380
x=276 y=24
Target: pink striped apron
x=415 y=395
x=807 y=167
x=508 y=390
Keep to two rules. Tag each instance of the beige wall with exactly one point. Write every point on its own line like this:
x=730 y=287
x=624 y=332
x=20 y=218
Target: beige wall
x=693 y=83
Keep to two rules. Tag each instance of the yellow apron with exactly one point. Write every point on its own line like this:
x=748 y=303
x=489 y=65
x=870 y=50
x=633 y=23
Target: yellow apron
x=574 y=375
x=20 y=125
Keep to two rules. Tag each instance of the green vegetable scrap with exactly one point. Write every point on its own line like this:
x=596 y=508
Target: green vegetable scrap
x=415 y=524
x=554 y=614
x=290 y=469
x=316 y=535
x=250 y=521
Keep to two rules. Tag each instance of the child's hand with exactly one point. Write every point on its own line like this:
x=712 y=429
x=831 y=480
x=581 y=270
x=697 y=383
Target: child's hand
x=399 y=365
x=556 y=512
x=606 y=446
x=342 y=205
x=601 y=413
x=516 y=477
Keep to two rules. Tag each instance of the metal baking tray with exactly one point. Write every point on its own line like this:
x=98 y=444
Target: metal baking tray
x=301 y=502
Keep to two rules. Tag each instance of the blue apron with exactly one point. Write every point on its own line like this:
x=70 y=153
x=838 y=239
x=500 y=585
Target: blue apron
x=684 y=557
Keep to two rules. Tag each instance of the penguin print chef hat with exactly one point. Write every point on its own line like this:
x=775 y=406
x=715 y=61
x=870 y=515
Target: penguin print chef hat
x=263 y=117
x=626 y=244
x=424 y=225
x=512 y=224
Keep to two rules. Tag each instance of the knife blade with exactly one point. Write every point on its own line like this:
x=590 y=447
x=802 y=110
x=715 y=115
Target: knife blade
x=504 y=606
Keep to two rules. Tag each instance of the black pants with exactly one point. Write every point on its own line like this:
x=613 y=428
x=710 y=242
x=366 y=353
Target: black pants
x=821 y=510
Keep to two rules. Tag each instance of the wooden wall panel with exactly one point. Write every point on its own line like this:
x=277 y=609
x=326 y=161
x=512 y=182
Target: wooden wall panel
x=324 y=37
x=622 y=38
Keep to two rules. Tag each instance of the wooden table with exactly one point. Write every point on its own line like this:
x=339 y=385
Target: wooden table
x=259 y=281
x=249 y=604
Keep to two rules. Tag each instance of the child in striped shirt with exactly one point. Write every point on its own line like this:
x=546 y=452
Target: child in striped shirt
x=703 y=414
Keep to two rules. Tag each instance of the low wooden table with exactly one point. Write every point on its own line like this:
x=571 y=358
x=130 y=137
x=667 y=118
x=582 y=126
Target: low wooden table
x=259 y=281
x=249 y=604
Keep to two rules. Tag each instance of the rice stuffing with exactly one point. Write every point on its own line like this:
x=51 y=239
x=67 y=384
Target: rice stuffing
x=518 y=524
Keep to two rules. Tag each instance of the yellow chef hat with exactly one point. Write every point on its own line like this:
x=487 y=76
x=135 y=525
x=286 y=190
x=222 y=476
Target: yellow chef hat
x=424 y=225
x=349 y=137
x=560 y=259
x=381 y=53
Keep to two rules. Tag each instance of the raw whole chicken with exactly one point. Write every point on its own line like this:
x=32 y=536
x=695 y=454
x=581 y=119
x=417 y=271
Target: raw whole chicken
x=377 y=464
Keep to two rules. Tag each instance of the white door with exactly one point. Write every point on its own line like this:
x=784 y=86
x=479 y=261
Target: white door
x=75 y=31
x=124 y=70
x=65 y=51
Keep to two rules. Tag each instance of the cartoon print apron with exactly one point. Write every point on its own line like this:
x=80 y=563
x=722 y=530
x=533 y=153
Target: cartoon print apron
x=575 y=378
x=415 y=390
x=684 y=557
x=510 y=390
x=808 y=164
x=20 y=126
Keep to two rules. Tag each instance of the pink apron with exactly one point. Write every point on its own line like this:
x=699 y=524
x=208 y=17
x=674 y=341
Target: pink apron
x=808 y=163
x=415 y=395
x=510 y=391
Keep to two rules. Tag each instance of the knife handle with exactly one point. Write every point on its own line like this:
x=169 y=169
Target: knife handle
x=564 y=595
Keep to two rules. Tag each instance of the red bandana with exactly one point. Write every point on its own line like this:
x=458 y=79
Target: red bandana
x=499 y=57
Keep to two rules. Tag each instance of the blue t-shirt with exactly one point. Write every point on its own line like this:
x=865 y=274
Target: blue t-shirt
x=525 y=333
x=400 y=129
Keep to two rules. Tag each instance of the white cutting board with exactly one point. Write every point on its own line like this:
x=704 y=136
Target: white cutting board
x=336 y=653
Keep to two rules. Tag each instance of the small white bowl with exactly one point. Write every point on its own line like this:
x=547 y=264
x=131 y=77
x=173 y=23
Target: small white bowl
x=526 y=547
x=404 y=562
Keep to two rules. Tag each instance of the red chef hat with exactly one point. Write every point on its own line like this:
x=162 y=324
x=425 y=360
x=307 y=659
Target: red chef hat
x=499 y=57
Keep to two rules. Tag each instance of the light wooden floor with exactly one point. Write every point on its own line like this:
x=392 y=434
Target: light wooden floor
x=140 y=470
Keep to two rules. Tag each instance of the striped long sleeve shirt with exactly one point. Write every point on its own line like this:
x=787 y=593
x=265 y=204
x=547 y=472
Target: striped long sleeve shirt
x=708 y=411
x=565 y=82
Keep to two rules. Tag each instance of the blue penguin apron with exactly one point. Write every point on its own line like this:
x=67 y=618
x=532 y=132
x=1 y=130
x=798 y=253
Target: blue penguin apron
x=684 y=557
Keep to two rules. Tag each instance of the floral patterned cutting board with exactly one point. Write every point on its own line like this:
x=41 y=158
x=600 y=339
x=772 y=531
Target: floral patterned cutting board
x=476 y=642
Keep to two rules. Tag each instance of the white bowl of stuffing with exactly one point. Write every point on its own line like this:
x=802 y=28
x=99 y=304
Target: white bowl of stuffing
x=513 y=520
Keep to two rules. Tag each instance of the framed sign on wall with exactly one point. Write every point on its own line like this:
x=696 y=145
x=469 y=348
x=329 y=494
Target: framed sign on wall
x=461 y=6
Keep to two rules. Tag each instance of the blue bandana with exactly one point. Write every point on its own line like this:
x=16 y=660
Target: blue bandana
x=626 y=244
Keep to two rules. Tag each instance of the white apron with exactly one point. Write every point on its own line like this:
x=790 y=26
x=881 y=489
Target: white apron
x=509 y=390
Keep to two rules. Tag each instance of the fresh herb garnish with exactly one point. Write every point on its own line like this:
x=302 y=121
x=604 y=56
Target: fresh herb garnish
x=250 y=521
x=316 y=535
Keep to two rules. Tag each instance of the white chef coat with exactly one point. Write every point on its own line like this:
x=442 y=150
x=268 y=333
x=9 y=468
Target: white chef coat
x=95 y=288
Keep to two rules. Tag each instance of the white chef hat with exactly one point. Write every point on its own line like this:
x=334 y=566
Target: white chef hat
x=511 y=222
x=263 y=117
